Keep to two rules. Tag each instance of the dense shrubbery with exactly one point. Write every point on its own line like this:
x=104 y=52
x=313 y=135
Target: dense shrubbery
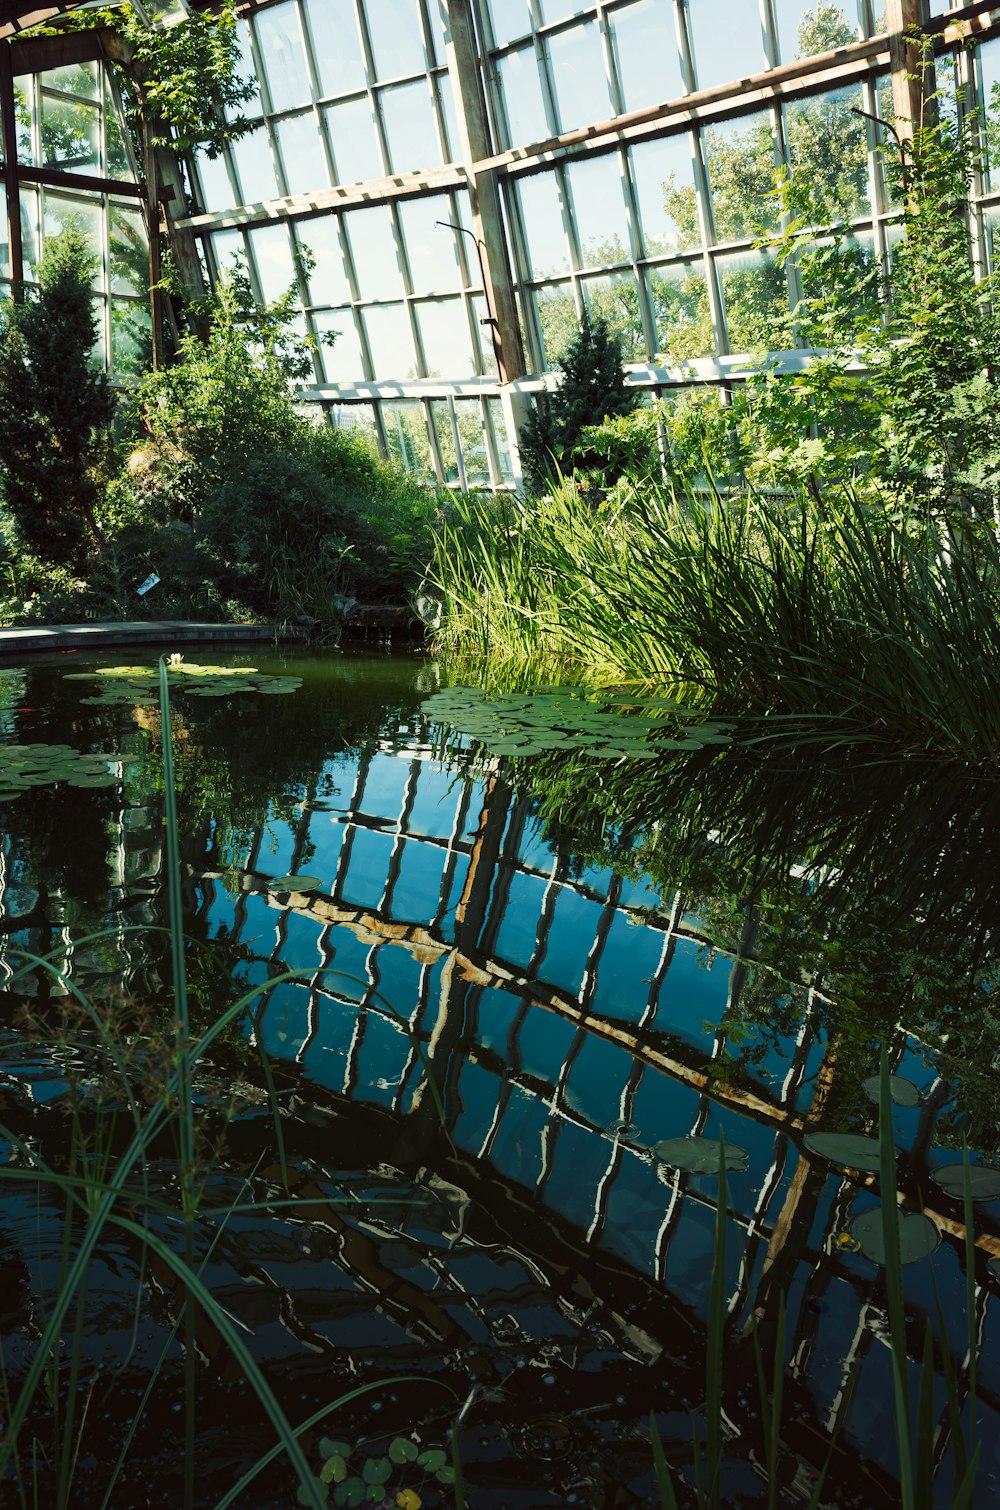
x=240 y=505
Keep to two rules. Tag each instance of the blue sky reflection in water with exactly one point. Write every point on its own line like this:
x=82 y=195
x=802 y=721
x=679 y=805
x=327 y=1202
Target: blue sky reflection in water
x=588 y=959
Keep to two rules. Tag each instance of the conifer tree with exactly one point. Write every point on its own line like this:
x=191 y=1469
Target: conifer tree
x=592 y=389
x=55 y=406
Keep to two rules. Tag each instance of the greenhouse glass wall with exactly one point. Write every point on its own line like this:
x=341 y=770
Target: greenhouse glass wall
x=467 y=178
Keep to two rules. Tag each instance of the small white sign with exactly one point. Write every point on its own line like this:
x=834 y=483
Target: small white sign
x=150 y=581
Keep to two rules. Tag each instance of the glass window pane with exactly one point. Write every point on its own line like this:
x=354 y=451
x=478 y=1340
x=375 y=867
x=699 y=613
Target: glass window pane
x=70 y=135
x=988 y=69
x=328 y=283
x=302 y=155
x=406 y=435
x=616 y=300
x=681 y=311
x=129 y=249
x=487 y=350
x=247 y=69
x=337 y=46
x=581 y=80
x=216 y=191
x=60 y=212
x=273 y=256
x=663 y=174
x=755 y=297
x=806 y=27
x=279 y=39
x=431 y=249
x=741 y=165
x=410 y=127
x=444 y=334
x=119 y=163
x=341 y=362
x=646 y=49
x=522 y=97
x=225 y=246
x=494 y=409
x=446 y=100
x=472 y=438
x=390 y=341
x=373 y=248
x=74 y=78
x=397 y=39
x=356 y=152
x=595 y=186
x=22 y=121
x=542 y=216
x=726 y=40
x=558 y=319
x=828 y=144
x=441 y=419
x=131 y=337
x=255 y=166
x=360 y=417
x=29 y=242
x=511 y=19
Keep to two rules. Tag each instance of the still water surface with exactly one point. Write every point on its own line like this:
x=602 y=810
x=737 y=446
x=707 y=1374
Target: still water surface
x=515 y=983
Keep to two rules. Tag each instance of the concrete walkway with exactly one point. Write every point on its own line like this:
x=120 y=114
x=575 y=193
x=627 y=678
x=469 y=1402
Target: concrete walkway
x=32 y=639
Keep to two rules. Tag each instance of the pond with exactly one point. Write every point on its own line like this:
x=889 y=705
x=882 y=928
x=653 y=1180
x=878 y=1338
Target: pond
x=445 y=1166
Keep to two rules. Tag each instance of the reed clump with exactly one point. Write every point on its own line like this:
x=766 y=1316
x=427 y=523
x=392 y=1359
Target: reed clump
x=845 y=612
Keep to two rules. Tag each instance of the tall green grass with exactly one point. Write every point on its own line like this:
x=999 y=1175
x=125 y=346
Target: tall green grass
x=105 y=1193
x=842 y=613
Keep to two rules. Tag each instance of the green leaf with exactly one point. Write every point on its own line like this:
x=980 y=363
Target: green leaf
x=903 y=1092
x=918 y=1235
x=402 y=1450
x=697 y=1155
x=334 y=1470
x=376 y=1470
x=433 y=1459
x=849 y=1150
x=294 y=883
x=350 y=1493
x=984 y=1182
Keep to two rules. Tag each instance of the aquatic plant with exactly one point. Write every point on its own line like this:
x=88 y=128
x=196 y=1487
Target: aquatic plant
x=137 y=686
x=835 y=620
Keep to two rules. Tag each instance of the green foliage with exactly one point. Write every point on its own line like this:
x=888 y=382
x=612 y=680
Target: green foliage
x=592 y=389
x=244 y=506
x=183 y=82
x=862 y=624
x=55 y=405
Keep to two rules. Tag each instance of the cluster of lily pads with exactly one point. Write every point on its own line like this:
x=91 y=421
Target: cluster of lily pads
x=606 y=726
x=23 y=766
x=136 y=686
x=918 y=1234
x=375 y=1480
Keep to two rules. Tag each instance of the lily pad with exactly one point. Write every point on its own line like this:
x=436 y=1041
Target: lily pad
x=984 y=1182
x=849 y=1150
x=994 y=1267
x=294 y=883
x=903 y=1092
x=918 y=1235
x=699 y=1155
